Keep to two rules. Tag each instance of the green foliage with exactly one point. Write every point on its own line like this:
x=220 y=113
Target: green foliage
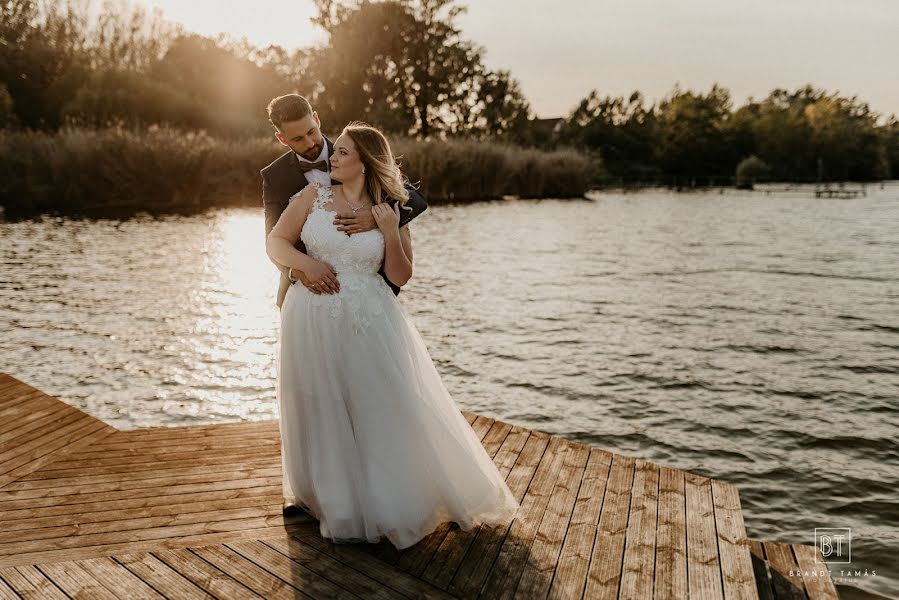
x=53 y=52
x=403 y=65
x=800 y=136
x=195 y=84
x=500 y=110
x=690 y=132
x=114 y=96
x=230 y=92
x=890 y=135
x=844 y=138
x=621 y=130
x=42 y=61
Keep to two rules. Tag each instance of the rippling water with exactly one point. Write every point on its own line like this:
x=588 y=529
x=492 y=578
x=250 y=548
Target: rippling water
x=746 y=336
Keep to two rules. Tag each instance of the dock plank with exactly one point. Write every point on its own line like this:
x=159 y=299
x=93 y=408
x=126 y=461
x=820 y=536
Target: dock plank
x=671 y=538
x=286 y=557
x=75 y=581
x=760 y=571
x=815 y=573
x=118 y=579
x=363 y=562
x=161 y=576
x=28 y=582
x=604 y=570
x=785 y=579
x=36 y=429
x=640 y=544
x=6 y=592
x=733 y=547
x=204 y=575
x=263 y=582
x=703 y=561
x=33 y=410
x=540 y=566
x=510 y=563
x=571 y=573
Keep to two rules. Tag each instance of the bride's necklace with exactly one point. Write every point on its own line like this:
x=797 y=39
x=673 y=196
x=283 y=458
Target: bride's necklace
x=353 y=208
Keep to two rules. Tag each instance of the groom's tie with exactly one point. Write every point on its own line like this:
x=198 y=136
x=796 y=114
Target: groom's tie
x=321 y=165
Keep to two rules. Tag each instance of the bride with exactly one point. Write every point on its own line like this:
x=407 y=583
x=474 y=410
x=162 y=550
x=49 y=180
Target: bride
x=372 y=444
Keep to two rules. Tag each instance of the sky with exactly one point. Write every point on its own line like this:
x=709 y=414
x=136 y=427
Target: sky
x=560 y=50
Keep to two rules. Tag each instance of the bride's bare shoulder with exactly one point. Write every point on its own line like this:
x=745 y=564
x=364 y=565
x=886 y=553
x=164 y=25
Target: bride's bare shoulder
x=301 y=203
x=310 y=191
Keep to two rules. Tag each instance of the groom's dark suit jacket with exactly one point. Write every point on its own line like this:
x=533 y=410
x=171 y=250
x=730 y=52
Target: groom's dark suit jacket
x=283 y=178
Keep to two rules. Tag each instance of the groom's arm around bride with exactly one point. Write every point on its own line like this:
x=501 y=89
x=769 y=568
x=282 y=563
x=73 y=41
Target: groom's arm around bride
x=298 y=127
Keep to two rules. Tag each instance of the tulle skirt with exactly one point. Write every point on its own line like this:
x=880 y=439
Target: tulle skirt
x=372 y=444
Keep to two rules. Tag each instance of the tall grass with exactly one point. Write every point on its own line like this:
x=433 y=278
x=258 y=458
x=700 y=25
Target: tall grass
x=156 y=169
x=81 y=170
x=478 y=170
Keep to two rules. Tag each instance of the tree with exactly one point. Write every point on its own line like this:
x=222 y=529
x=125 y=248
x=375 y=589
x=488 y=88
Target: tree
x=360 y=71
x=127 y=37
x=440 y=68
x=230 y=92
x=691 y=137
x=621 y=129
x=403 y=65
x=42 y=58
x=844 y=139
x=498 y=108
x=890 y=135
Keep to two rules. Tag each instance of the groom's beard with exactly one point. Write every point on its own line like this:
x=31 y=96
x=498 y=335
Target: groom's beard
x=313 y=152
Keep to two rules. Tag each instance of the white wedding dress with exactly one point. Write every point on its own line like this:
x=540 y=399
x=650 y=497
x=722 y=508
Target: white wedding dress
x=372 y=444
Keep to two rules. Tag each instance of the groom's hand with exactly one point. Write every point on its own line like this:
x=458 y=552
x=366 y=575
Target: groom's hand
x=349 y=222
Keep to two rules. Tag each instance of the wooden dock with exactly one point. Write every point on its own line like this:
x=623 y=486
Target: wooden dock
x=88 y=511
x=841 y=192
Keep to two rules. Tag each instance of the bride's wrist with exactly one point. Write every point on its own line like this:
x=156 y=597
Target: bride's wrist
x=303 y=263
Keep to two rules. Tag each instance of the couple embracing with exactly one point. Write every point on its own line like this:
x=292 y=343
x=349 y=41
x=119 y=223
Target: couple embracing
x=372 y=444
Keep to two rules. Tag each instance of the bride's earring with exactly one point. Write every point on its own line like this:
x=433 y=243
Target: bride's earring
x=363 y=169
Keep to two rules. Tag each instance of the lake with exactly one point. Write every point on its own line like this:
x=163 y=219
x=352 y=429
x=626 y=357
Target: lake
x=746 y=336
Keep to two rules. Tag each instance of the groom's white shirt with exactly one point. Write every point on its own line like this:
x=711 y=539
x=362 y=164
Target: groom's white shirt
x=316 y=176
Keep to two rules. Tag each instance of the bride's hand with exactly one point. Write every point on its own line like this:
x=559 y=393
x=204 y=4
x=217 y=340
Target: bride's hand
x=320 y=278
x=387 y=217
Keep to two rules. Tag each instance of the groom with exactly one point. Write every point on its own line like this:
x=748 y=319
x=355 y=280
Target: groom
x=307 y=161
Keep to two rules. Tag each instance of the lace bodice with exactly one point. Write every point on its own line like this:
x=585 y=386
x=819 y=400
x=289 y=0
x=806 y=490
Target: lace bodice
x=360 y=253
x=356 y=258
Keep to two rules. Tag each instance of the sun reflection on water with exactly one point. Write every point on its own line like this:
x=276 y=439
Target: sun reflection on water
x=232 y=339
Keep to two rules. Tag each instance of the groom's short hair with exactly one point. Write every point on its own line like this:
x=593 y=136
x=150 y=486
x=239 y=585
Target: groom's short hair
x=289 y=107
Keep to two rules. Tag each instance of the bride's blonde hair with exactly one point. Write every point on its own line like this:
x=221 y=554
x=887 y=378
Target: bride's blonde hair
x=383 y=178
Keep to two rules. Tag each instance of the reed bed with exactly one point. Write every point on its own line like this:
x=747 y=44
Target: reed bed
x=160 y=169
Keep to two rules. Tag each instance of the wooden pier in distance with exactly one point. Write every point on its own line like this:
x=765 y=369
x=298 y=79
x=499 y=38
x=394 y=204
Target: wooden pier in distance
x=88 y=511
x=840 y=192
